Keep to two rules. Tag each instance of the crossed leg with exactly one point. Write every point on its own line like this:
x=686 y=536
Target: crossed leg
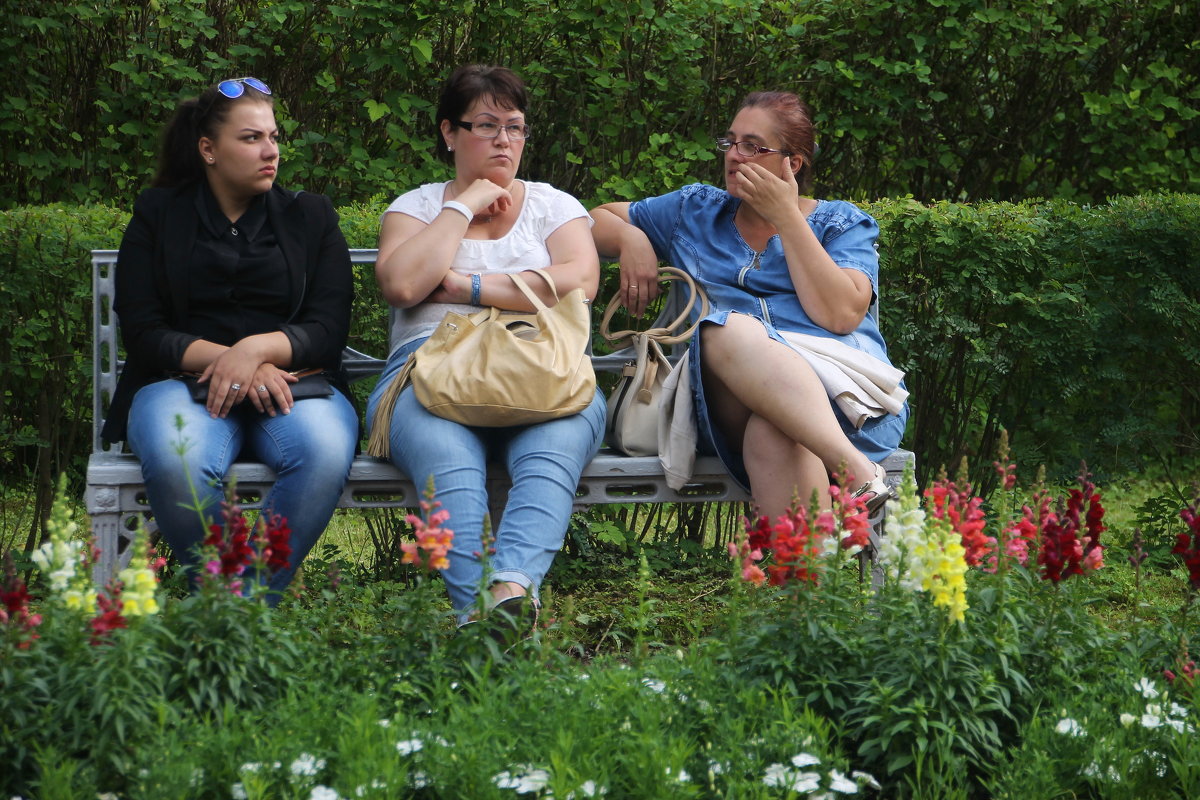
x=770 y=404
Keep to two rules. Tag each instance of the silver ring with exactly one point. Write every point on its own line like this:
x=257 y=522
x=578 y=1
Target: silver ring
x=237 y=387
x=262 y=388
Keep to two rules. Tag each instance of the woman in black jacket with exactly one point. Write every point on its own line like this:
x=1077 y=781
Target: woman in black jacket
x=224 y=276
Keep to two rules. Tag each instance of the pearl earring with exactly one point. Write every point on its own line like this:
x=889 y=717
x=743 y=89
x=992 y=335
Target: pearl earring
x=449 y=148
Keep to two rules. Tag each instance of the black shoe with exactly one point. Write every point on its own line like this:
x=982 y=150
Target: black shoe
x=511 y=620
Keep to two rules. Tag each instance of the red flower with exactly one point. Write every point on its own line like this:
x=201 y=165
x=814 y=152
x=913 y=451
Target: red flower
x=16 y=612
x=965 y=514
x=1069 y=546
x=1187 y=545
x=277 y=549
x=231 y=540
x=109 y=618
x=795 y=546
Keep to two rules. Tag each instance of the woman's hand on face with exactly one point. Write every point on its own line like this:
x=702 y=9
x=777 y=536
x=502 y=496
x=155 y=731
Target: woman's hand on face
x=454 y=288
x=271 y=391
x=485 y=198
x=230 y=378
x=773 y=195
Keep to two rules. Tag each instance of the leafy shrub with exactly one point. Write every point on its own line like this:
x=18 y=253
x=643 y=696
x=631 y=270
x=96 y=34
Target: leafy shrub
x=955 y=99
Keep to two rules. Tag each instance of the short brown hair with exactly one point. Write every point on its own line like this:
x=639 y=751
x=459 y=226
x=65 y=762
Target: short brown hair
x=466 y=85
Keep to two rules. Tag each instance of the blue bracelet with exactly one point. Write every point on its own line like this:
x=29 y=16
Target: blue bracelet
x=476 y=287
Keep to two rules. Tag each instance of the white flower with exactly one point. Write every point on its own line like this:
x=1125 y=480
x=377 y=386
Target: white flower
x=418 y=779
x=588 y=789
x=307 y=765
x=1127 y=719
x=409 y=746
x=679 y=777
x=1177 y=710
x=1092 y=770
x=1179 y=725
x=781 y=777
x=653 y=685
x=1146 y=687
x=865 y=778
x=1151 y=721
x=323 y=793
x=525 y=780
x=715 y=767
x=775 y=775
x=804 y=760
x=840 y=783
x=252 y=766
x=237 y=792
x=384 y=723
x=1070 y=727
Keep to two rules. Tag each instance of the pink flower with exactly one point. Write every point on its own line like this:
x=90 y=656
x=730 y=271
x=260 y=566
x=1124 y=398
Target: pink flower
x=433 y=541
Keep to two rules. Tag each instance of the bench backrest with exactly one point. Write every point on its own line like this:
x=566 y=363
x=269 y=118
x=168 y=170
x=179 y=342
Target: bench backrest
x=107 y=362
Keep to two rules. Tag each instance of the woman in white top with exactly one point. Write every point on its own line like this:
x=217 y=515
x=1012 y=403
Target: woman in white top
x=446 y=247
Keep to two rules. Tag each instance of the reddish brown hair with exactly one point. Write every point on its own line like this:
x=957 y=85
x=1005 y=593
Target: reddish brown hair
x=793 y=124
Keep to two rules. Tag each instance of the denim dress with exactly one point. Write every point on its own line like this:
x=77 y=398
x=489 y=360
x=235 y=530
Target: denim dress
x=693 y=229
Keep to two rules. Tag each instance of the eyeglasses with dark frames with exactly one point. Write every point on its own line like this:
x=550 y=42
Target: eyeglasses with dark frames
x=486 y=129
x=236 y=87
x=747 y=149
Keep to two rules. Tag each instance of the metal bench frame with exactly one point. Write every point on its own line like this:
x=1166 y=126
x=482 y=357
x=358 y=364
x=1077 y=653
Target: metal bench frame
x=116 y=496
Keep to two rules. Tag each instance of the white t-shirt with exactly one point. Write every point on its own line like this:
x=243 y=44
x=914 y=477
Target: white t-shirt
x=544 y=211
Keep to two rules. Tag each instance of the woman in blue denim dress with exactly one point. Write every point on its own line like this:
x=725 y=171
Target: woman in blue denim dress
x=774 y=263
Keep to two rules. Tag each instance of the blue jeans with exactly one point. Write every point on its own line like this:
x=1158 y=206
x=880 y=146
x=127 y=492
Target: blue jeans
x=310 y=450
x=544 y=462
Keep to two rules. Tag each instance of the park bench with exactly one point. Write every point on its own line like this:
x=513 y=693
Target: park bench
x=115 y=495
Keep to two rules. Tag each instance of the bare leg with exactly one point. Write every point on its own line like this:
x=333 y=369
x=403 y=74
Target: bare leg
x=784 y=474
x=747 y=374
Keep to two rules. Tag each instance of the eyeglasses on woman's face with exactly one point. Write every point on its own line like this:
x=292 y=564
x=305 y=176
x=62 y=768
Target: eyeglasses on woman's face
x=746 y=148
x=236 y=87
x=486 y=129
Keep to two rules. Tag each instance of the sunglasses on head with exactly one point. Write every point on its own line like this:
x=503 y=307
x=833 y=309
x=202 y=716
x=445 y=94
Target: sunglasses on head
x=236 y=87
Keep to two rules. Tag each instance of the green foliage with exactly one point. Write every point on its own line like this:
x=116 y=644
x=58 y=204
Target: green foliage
x=45 y=352
x=1070 y=326
x=955 y=99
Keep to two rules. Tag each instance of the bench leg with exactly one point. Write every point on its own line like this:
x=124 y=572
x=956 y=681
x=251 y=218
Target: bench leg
x=106 y=531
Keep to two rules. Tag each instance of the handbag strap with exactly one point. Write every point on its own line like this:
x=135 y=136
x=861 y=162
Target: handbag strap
x=665 y=334
x=529 y=293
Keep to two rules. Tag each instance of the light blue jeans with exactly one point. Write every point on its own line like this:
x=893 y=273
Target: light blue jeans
x=544 y=462
x=310 y=450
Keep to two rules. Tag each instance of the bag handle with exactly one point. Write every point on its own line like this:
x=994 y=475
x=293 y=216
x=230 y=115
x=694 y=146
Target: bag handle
x=529 y=293
x=666 y=334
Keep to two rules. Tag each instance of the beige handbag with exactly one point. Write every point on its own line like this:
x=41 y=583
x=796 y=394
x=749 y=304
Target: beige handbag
x=633 y=407
x=496 y=368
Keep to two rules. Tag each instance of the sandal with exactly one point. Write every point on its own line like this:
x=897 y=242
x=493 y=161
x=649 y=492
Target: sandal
x=876 y=491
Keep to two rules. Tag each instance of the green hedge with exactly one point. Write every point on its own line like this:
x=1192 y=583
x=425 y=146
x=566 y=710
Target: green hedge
x=953 y=99
x=1072 y=326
